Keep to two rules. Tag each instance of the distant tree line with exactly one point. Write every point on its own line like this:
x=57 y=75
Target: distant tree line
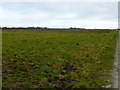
x=37 y=28
x=73 y=28
x=76 y=28
x=24 y=27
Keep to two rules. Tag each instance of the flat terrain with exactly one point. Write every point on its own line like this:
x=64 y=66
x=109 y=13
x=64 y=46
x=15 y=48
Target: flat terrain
x=57 y=58
x=0 y=58
x=119 y=61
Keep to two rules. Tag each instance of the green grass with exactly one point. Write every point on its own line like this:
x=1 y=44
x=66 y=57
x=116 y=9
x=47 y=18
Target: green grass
x=0 y=57
x=57 y=60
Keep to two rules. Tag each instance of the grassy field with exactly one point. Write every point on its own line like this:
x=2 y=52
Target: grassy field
x=66 y=59
x=0 y=57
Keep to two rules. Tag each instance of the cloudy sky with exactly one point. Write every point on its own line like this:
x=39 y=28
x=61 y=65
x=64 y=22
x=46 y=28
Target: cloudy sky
x=59 y=14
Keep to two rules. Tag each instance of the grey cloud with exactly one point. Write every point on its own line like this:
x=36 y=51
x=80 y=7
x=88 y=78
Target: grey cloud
x=60 y=13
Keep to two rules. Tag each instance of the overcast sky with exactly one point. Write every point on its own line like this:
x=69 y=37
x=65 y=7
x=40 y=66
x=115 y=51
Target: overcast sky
x=59 y=14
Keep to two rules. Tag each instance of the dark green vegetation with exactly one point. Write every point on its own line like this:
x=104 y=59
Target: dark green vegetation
x=65 y=59
x=0 y=57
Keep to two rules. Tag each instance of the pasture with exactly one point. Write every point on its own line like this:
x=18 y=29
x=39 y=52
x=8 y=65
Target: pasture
x=57 y=58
